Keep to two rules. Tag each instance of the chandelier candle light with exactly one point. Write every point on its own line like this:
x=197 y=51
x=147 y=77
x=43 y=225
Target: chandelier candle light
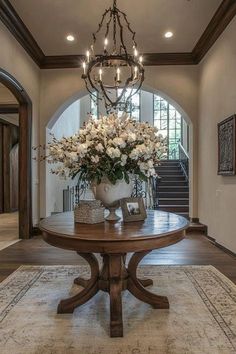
x=115 y=68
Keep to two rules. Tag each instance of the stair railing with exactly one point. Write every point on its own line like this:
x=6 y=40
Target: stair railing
x=184 y=160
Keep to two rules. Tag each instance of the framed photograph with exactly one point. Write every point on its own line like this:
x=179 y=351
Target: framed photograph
x=133 y=209
x=226 y=146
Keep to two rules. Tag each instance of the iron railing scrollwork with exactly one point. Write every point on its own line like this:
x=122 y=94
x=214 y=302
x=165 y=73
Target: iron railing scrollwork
x=146 y=190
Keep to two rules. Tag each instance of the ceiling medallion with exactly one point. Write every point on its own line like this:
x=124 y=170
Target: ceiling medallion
x=115 y=75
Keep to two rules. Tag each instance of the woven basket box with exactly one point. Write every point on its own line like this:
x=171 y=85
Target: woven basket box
x=89 y=212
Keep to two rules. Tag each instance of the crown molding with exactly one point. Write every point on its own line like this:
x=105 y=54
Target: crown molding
x=222 y=17
x=151 y=59
x=16 y=26
x=61 y=61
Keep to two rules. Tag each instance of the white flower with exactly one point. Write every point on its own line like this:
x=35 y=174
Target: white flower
x=123 y=159
x=150 y=164
x=113 y=152
x=73 y=156
x=132 y=137
x=134 y=155
x=151 y=172
x=82 y=148
x=127 y=142
x=119 y=142
x=95 y=159
x=99 y=147
x=142 y=166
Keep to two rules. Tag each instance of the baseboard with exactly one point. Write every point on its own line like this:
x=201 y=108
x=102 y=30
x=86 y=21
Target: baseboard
x=194 y=220
x=212 y=239
x=223 y=248
x=195 y=225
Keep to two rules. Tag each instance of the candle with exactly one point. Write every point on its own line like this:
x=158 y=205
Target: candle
x=135 y=52
x=84 y=66
x=135 y=72
x=105 y=43
x=141 y=59
x=118 y=74
x=100 y=74
x=88 y=55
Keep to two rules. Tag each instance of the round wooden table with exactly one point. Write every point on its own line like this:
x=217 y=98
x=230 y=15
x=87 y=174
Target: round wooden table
x=113 y=240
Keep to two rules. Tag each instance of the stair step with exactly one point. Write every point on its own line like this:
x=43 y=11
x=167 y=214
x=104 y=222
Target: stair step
x=173 y=184
x=170 y=164
x=169 y=173
x=166 y=168
x=173 y=201
x=182 y=194
x=172 y=187
x=172 y=178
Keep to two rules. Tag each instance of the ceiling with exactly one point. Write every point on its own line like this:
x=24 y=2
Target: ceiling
x=50 y=21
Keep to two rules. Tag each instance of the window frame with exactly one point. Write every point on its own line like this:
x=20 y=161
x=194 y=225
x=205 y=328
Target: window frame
x=168 y=109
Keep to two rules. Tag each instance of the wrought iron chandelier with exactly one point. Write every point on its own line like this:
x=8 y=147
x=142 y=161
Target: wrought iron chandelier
x=116 y=75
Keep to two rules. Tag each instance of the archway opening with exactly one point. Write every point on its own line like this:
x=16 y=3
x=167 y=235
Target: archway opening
x=149 y=105
x=24 y=107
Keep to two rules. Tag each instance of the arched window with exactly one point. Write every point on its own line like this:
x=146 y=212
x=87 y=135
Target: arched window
x=169 y=123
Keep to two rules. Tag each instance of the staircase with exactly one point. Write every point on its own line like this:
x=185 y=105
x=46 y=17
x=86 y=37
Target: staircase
x=173 y=188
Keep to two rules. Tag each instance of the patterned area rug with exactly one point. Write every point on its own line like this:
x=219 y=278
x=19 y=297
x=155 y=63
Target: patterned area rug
x=201 y=318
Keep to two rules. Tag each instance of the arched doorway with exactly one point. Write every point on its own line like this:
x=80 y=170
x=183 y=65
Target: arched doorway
x=144 y=111
x=25 y=123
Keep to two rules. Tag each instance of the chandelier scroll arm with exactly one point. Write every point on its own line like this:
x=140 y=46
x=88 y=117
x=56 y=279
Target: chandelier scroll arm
x=129 y=27
x=101 y=23
x=121 y=35
x=105 y=94
x=108 y=25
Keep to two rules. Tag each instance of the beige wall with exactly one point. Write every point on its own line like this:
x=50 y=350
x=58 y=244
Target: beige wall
x=217 y=101
x=15 y=61
x=6 y=97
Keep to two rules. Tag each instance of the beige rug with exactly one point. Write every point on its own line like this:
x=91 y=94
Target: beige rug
x=201 y=318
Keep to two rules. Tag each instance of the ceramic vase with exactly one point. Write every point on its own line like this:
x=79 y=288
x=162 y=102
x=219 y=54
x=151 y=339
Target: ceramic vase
x=110 y=195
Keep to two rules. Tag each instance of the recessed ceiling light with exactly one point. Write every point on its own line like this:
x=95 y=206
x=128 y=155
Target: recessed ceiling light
x=70 y=37
x=168 y=34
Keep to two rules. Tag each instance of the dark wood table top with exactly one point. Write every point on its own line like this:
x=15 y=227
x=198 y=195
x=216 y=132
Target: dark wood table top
x=159 y=229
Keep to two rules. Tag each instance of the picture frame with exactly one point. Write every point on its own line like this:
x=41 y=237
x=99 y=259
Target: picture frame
x=133 y=209
x=227 y=147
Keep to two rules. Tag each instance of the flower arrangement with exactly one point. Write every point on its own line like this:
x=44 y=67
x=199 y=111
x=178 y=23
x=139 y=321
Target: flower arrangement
x=109 y=147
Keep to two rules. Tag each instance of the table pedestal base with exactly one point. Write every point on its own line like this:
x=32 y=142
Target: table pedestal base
x=114 y=277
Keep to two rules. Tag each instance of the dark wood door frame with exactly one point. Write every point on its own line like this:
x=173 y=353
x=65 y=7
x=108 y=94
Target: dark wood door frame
x=25 y=127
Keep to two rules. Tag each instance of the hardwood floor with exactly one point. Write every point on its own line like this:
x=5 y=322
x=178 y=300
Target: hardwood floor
x=194 y=249
x=9 y=229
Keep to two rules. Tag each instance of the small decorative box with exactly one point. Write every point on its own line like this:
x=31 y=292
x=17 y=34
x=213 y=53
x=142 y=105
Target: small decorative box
x=89 y=212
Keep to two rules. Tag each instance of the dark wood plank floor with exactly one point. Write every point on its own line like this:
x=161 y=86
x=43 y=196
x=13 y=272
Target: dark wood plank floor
x=195 y=249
